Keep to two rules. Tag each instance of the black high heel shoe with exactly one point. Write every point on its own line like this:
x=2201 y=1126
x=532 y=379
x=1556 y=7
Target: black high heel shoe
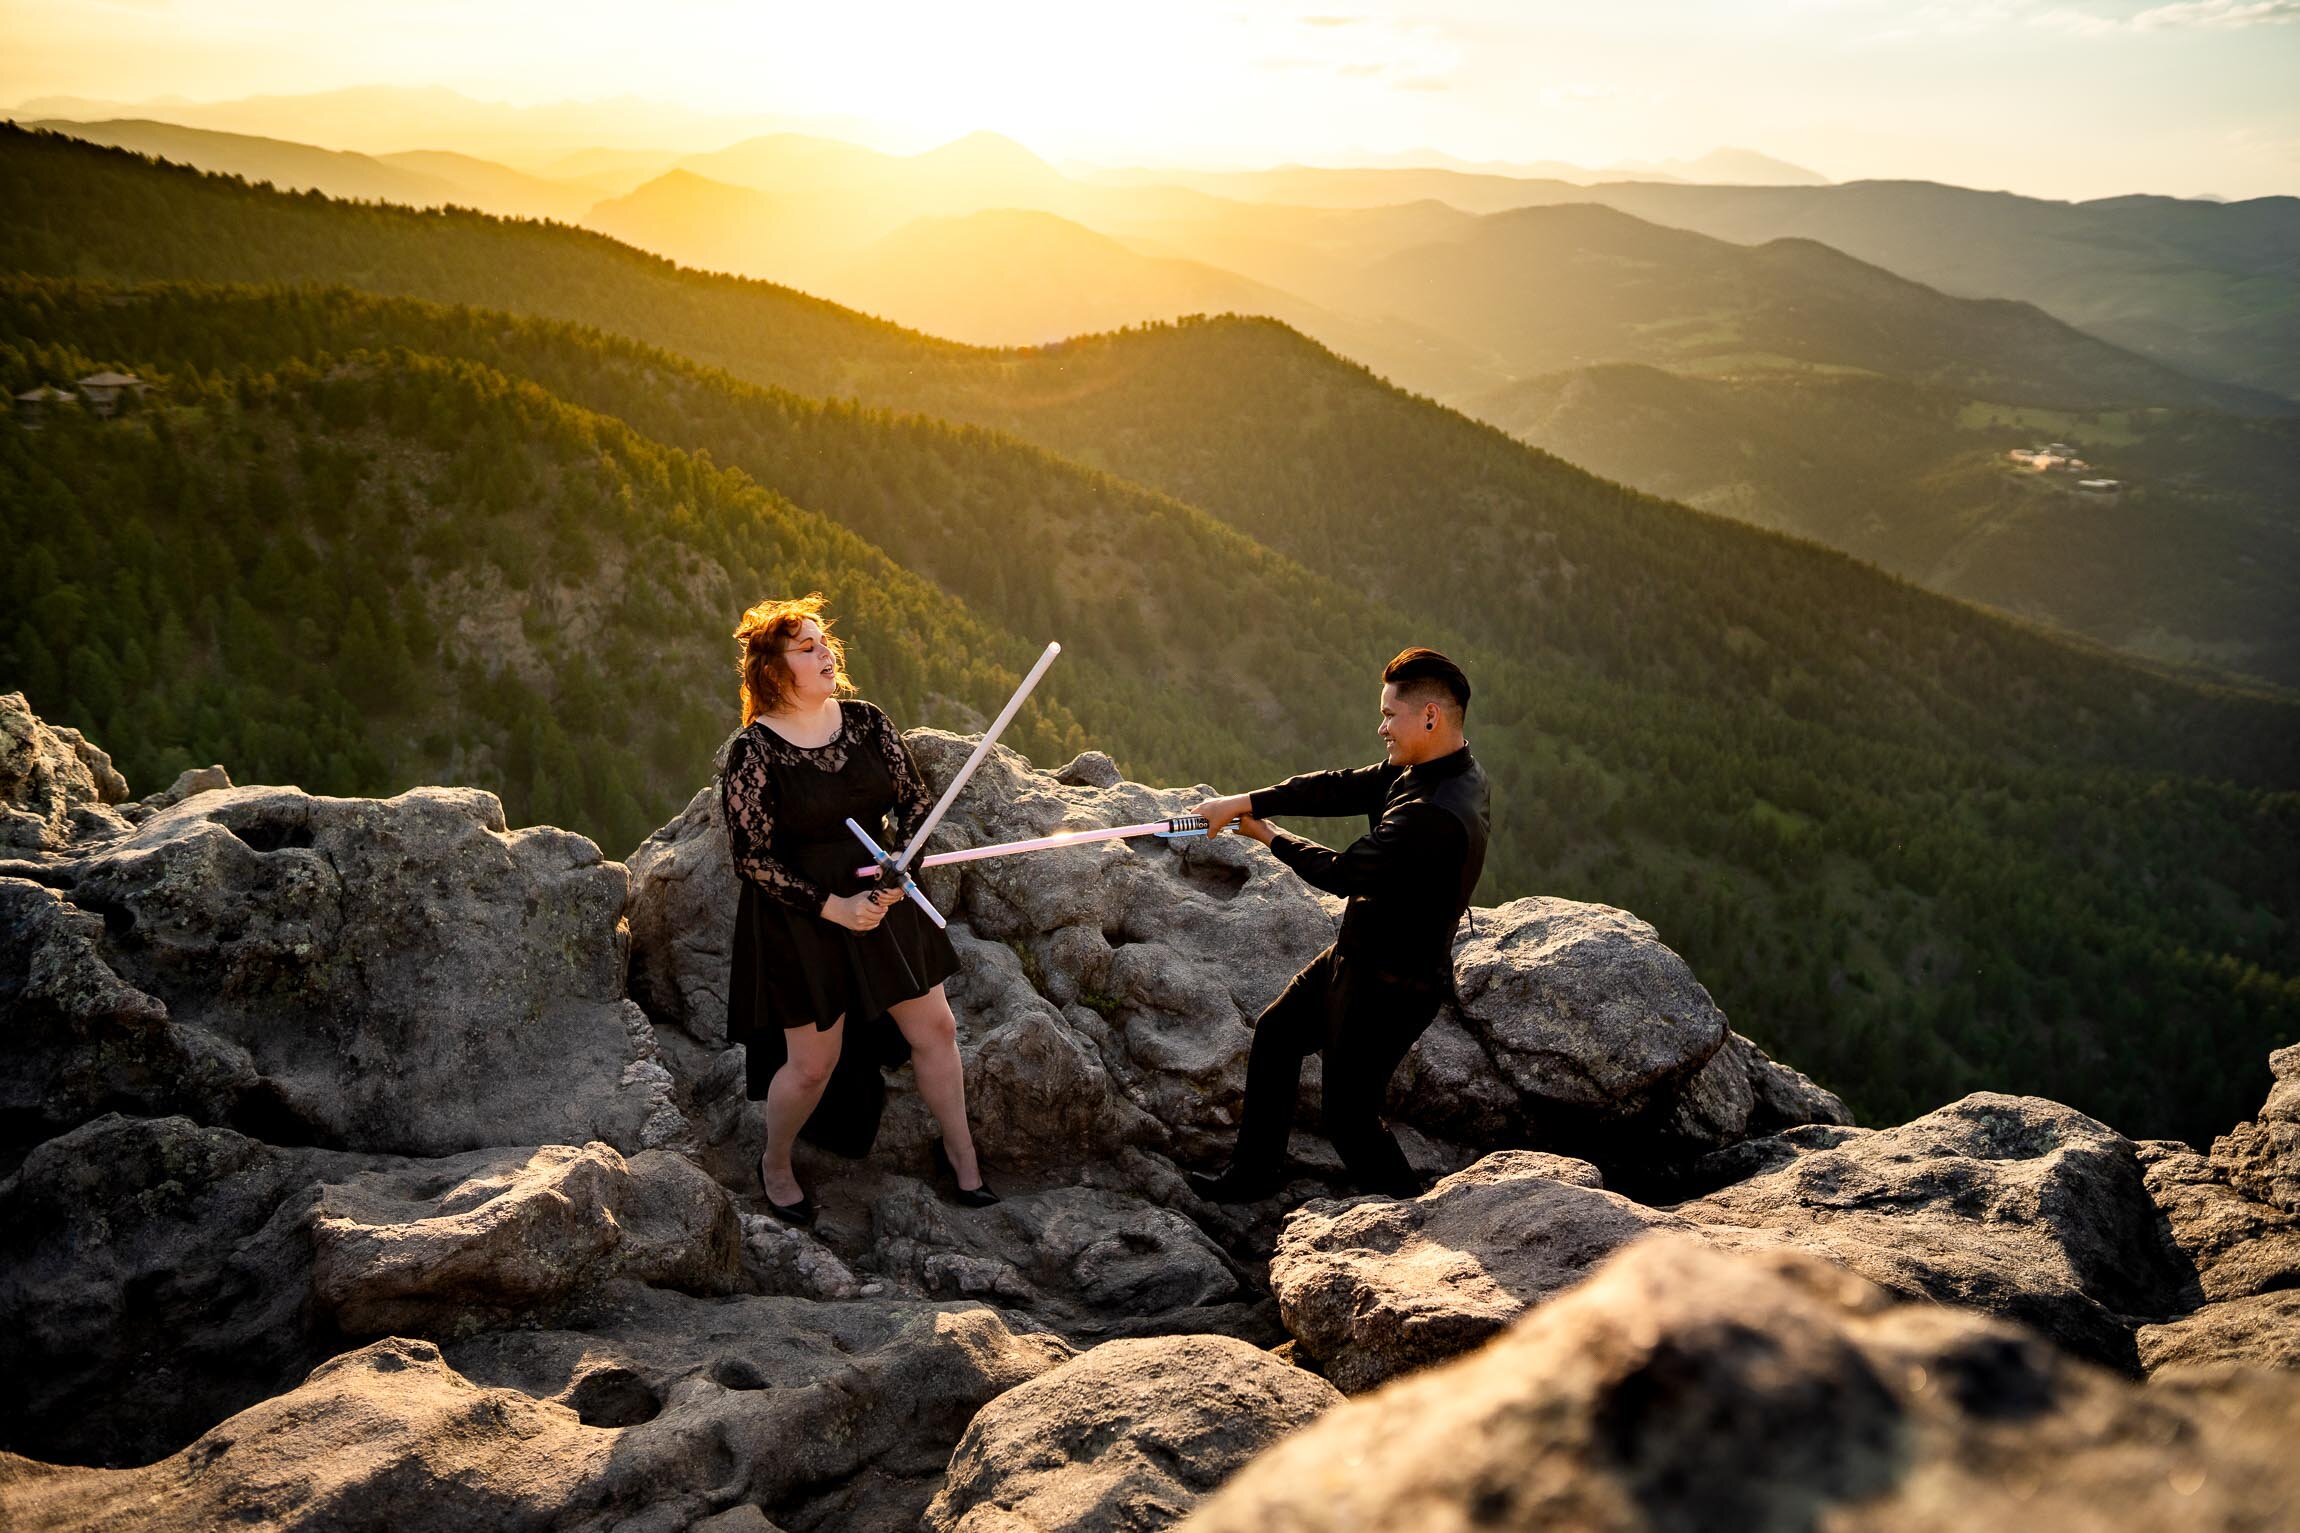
x=800 y=1214
x=964 y=1197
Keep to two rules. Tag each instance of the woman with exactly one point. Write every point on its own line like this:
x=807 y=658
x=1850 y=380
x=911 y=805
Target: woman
x=819 y=952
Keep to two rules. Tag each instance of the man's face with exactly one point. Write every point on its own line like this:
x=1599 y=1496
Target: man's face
x=1404 y=740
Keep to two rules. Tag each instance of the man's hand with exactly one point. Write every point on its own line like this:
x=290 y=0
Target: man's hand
x=1218 y=813
x=1260 y=830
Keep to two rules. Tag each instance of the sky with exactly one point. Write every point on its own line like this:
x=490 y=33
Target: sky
x=2058 y=98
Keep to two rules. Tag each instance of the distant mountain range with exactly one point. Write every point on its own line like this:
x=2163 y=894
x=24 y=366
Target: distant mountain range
x=981 y=241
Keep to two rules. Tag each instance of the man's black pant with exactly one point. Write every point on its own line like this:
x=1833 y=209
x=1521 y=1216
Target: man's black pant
x=1362 y=1023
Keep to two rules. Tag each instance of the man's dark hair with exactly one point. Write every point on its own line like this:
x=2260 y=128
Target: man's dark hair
x=1424 y=673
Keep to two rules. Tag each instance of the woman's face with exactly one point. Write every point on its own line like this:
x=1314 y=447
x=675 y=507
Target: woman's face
x=814 y=669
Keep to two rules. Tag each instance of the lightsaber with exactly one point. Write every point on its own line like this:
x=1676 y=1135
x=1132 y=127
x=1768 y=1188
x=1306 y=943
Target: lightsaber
x=1180 y=828
x=981 y=749
x=890 y=867
x=883 y=863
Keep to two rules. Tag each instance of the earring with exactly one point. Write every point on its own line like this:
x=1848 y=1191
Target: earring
x=1429 y=723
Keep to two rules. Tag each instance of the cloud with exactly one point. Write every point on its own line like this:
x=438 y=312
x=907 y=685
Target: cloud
x=2218 y=13
x=1332 y=21
x=2182 y=15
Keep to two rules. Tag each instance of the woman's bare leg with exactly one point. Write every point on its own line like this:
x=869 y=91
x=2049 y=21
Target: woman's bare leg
x=932 y=1031
x=791 y=1095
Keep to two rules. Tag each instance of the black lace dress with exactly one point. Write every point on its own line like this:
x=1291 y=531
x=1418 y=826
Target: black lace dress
x=785 y=808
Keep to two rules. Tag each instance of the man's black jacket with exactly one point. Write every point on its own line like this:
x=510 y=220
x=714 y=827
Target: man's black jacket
x=1409 y=880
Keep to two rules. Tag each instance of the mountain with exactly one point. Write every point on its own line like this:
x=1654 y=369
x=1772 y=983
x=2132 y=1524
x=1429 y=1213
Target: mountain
x=2191 y=560
x=295 y=167
x=1719 y=167
x=1024 y=278
x=494 y=188
x=2209 y=288
x=1554 y=287
x=384 y=119
x=1915 y=846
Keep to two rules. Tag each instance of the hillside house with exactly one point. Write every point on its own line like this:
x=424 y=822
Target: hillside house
x=103 y=390
x=34 y=405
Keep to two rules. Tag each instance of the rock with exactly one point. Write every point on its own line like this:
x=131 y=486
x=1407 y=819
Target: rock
x=1375 y=1288
x=499 y=1237
x=1683 y=1387
x=2259 y=1330
x=822 y=1415
x=53 y=783
x=81 y=1041
x=784 y=1260
x=1107 y=992
x=388 y=1437
x=190 y=781
x=168 y=1274
x=402 y=974
x=2013 y=1205
x=1124 y=1438
x=682 y=921
x=2238 y=1245
x=2261 y=1159
x=159 y=1278
x=1596 y=1030
x=1084 y=1260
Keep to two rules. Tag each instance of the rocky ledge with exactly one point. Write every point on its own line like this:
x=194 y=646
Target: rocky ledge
x=369 y=1164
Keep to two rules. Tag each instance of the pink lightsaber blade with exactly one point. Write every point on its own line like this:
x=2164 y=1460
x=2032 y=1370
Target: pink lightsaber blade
x=1180 y=828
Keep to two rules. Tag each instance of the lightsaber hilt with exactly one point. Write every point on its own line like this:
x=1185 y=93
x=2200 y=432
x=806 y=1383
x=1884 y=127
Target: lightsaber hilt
x=889 y=870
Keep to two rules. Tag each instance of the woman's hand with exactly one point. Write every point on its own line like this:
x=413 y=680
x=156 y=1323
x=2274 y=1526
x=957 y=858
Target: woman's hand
x=1260 y=830
x=859 y=912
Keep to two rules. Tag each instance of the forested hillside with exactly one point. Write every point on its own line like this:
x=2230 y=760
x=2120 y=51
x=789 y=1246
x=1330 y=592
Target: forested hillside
x=1912 y=847
x=403 y=570
x=2194 y=558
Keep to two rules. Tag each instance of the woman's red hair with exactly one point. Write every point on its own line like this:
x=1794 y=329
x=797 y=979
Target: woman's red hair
x=764 y=633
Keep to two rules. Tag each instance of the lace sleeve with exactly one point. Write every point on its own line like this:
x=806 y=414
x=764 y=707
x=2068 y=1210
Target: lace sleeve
x=912 y=798
x=747 y=799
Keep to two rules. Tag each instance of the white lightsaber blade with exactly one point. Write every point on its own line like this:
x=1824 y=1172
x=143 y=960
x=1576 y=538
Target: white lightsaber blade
x=1176 y=829
x=982 y=749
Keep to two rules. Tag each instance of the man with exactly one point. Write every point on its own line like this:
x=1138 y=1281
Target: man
x=1363 y=1001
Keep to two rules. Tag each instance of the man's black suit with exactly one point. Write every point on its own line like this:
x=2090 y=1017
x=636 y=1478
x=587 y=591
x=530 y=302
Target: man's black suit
x=1363 y=1001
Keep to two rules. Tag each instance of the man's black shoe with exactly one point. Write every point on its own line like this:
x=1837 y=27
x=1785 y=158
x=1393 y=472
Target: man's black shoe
x=1230 y=1187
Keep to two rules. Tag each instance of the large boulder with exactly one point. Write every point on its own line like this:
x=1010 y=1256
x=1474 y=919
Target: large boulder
x=2014 y=1205
x=2237 y=1244
x=55 y=787
x=1087 y=1261
x=504 y=1237
x=2232 y=1216
x=662 y=1411
x=1592 y=1026
x=388 y=1437
x=1108 y=991
x=80 y=1041
x=165 y=1274
x=399 y=975
x=1684 y=1387
x=2261 y=1159
x=823 y=1415
x=1125 y=1438
x=2259 y=1330
x=158 y=1279
x=1377 y=1287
